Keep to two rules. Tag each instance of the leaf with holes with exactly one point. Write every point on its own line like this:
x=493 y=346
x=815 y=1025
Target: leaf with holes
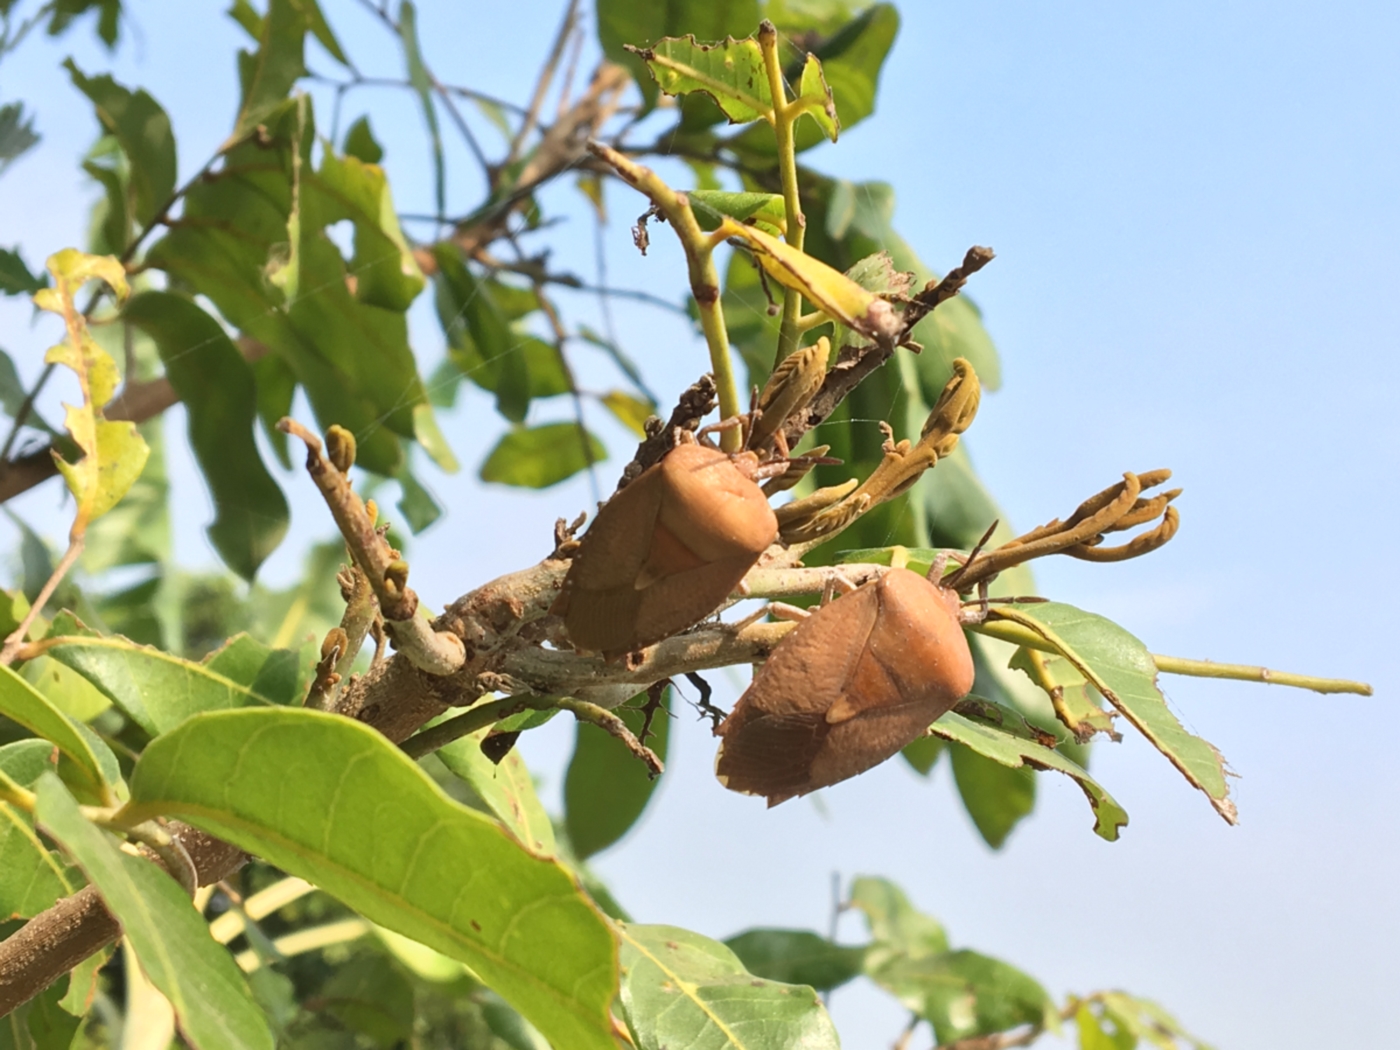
x=1120 y=667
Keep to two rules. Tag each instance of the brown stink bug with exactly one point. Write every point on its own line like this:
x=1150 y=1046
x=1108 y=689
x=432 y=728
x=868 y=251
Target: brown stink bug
x=666 y=551
x=858 y=679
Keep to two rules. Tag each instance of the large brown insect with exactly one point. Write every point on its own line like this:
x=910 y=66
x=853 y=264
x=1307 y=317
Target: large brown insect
x=857 y=680
x=666 y=551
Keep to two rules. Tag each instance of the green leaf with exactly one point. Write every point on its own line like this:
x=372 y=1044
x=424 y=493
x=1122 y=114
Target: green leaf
x=386 y=273
x=472 y=319
x=815 y=94
x=1094 y=1036
x=537 y=457
x=1011 y=750
x=17 y=134
x=272 y=674
x=850 y=63
x=24 y=704
x=40 y=1024
x=923 y=754
x=680 y=989
x=32 y=876
x=996 y=796
x=506 y=788
x=155 y=689
x=15 y=278
x=306 y=791
x=606 y=789
x=109 y=14
x=141 y=127
x=964 y=994
x=422 y=84
x=321 y=30
x=242 y=12
x=1142 y=1019
x=360 y=142
x=216 y=386
x=731 y=72
x=900 y=929
x=276 y=386
x=68 y=691
x=415 y=503
x=352 y=357
x=371 y=996
x=797 y=957
x=1120 y=667
x=639 y=22
x=629 y=411
x=765 y=209
x=269 y=73
x=213 y=1006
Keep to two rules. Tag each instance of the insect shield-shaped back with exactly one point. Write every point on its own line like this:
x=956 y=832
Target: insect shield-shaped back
x=665 y=552
x=853 y=684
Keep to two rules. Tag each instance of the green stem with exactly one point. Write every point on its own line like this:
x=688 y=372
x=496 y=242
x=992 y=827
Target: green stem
x=785 y=115
x=1246 y=673
x=478 y=717
x=704 y=278
x=1017 y=634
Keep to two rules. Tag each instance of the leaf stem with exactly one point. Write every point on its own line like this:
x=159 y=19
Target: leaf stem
x=1246 y=673
x=16 y=637
x=704 y=277
x=478 y=717
x=15 y=794
x=785 y=115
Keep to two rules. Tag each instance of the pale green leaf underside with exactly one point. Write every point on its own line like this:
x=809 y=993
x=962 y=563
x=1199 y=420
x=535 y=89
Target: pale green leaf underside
x=331 y=800
x=684 y=990
x=213 y=1006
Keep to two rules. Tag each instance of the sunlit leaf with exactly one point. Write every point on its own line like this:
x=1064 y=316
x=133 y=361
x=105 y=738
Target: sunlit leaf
x=155 y=689
x=629 y=411
x=1121 y=668
x=537 y=457
x=730 y=71
x=32 y=876
x=213 y=1006
x=216 y=386
x=306 y=791
x=113 y=454
x=506 y=788
x=766 y=209
x=641 y=22
x=964 y=994
x=1015 y=751
x=680 y=989
x=22 y=703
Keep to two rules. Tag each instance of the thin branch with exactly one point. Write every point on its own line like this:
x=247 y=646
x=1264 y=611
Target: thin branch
x=17 y=636
x=551 y=64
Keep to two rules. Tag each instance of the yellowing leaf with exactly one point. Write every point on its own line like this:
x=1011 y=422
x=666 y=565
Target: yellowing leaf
x=835 y=294
x=113 y=453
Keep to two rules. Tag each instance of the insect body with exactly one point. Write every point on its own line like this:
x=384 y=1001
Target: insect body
x=666 y=551
x=855 y=682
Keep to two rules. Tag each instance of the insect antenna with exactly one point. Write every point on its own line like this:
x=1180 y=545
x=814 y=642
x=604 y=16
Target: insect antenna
x=955 y=577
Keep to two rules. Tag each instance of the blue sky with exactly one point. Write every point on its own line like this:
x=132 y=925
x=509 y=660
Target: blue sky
x=1195 y=213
